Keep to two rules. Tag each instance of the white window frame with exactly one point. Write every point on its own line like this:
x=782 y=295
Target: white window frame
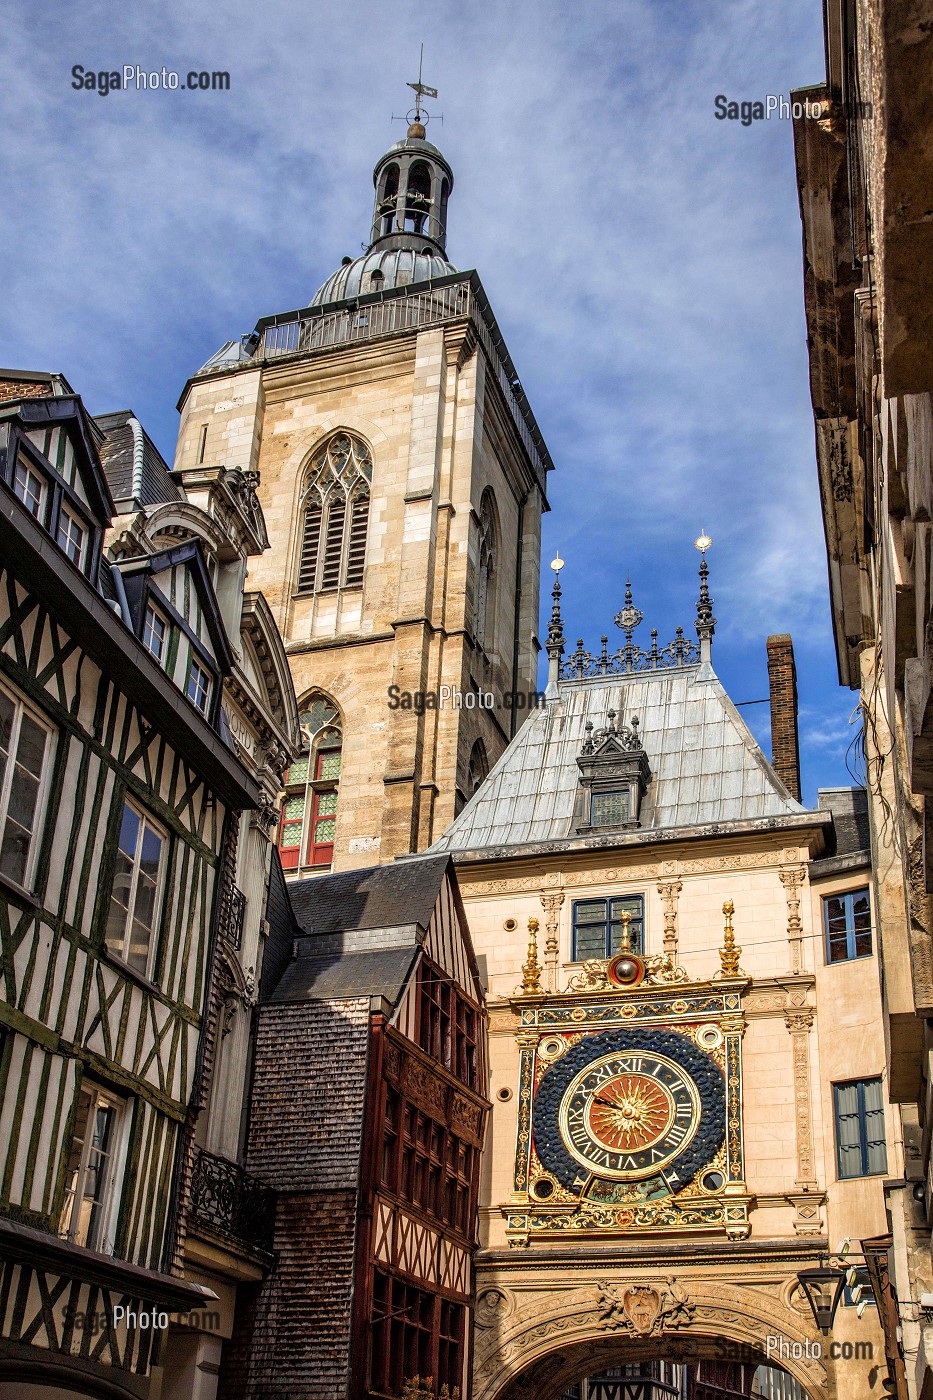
x=153 y=612
x=209 y=679
x=65 y=513
x=100 y=1241
x=147 y=820
x=22 y=464
x=22 y=706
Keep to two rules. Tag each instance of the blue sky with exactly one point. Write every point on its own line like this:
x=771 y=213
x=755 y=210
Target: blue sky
x=643 y=259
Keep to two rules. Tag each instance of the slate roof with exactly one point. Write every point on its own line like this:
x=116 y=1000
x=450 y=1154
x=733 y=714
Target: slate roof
x=378 y=897
x=383 y=972
x=117 y=452
x=706 y=767
x=359 y=932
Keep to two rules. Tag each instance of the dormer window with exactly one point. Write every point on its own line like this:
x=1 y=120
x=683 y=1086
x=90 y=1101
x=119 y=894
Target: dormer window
x=30 y=488
x=154 y=634
x=611 y=808
x=614 y=776
x=198 y=689
x=71 y=536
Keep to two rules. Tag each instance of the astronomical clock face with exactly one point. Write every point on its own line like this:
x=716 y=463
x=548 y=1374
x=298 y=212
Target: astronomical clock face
x=629 y=1114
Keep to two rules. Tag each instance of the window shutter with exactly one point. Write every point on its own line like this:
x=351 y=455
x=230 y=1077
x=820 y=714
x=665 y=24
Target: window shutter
x=310 y=545
x=356 y=554
x=333 y=544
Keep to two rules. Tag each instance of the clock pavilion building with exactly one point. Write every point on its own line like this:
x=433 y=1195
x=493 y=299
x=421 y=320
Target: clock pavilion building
x=685 y=1048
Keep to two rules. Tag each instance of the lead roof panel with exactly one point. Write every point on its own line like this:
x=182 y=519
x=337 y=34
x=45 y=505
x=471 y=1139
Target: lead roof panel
x=706 y=766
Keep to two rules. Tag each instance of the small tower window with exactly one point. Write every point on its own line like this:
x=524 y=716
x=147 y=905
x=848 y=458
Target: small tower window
x=332 y=548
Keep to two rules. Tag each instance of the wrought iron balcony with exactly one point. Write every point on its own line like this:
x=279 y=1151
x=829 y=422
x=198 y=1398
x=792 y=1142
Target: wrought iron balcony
x=397 y=311
x=232 y=914
x=228 y=1201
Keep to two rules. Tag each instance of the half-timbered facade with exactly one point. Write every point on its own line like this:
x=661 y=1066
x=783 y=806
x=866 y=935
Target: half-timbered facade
x=122 y=784
x=368 y=1117
x=183 y=542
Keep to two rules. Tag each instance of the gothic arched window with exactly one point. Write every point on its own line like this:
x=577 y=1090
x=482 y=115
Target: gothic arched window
x=309 y=809
x=335 y=516
x=484 y=595
x=478 y=767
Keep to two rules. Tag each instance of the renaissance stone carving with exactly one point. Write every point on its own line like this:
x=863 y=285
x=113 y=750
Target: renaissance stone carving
x=643 y=1309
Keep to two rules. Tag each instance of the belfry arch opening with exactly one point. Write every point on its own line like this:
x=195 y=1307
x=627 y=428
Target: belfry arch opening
x=388 y=196
x=418 y=198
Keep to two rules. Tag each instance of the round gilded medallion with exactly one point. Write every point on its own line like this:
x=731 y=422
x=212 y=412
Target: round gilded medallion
x=626 y=970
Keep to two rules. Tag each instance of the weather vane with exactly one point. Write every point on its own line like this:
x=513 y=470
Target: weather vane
x=421 y=89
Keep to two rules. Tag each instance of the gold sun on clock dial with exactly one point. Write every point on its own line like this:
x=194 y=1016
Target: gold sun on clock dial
x=629 y=1114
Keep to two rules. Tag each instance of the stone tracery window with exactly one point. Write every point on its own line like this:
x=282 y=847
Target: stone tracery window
x=309 y=809
x=484 y=595
x=335 y=516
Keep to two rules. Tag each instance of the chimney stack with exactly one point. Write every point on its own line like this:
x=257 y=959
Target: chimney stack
x=782 y=680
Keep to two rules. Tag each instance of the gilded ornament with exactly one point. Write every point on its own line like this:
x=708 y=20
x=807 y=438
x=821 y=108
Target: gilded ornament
x=531 y=969
x=729 y=954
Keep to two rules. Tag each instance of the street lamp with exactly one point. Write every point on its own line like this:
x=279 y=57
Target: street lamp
x=822 y=1289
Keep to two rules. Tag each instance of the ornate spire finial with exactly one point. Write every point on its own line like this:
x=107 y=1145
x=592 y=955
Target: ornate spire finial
x=628 y=618
x=555 y=634
x=729 y=954
x=706 y=623
x=531 y=968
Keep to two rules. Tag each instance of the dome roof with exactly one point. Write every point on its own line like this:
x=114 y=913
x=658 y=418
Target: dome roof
x=399 y=267
x=416 y=144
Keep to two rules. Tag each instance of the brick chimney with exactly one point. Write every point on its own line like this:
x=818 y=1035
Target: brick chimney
x=782 y=679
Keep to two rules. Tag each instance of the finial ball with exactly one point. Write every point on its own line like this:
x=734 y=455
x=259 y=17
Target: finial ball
x=702 y=542
x=417 y=131
x=557 y=563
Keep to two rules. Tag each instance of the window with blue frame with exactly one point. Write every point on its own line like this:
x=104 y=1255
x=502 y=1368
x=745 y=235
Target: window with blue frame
x=847 y=926
x=860 y=1145
x=597 y=926
x=859 y=1290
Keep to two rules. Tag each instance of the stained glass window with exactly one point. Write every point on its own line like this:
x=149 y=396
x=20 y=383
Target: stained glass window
x=309 y=809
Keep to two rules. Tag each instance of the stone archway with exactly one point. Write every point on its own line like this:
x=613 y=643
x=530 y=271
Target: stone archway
x=531 y=1344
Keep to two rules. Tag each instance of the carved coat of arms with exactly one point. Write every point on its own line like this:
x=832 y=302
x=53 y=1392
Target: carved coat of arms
x=644 y=1309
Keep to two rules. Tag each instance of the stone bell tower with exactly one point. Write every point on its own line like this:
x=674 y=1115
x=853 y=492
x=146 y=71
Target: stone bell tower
x=403 y=477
